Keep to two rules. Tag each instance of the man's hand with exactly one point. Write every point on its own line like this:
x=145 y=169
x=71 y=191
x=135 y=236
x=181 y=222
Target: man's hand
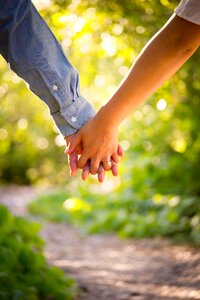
x=72 y=157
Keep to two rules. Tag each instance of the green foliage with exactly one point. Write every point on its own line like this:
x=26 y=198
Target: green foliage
x=24 y=272
x=28 y=139
x=168 y=216
x=51 y=207
x=102 y=39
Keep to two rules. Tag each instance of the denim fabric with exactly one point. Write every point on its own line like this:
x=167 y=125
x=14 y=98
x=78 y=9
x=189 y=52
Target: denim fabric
x=32 y=51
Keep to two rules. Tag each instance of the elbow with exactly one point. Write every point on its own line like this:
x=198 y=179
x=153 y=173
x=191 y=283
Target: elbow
x=8 y=15
x=184 y=47
x=183 y=36
x=187 y=38
x=188 y=50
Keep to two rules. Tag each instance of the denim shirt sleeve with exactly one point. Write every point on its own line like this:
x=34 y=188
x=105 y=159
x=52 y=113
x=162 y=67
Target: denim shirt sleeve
x=32 y=51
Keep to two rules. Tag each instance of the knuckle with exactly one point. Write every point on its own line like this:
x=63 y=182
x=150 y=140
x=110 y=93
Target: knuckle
x=106 y=158
x=107 y=164
x=93 y=168
x=107 y=168
x=80 y=164
x=115 y=157
x=93 y=171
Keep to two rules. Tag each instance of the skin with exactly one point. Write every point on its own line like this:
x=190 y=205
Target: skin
x=164 y=54
x=73 y=158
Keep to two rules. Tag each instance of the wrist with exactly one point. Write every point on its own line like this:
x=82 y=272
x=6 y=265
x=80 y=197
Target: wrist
x=106 y=118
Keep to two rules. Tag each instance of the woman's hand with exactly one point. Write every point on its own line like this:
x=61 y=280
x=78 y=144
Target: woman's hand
x=97 y=142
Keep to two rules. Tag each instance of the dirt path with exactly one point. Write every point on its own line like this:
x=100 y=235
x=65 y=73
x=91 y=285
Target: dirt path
x=107 y=268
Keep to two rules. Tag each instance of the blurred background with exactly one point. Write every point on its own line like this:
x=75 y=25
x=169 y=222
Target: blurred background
x=158 y=190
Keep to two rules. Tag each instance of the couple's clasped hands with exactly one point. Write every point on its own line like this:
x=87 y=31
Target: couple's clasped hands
x=94 y=149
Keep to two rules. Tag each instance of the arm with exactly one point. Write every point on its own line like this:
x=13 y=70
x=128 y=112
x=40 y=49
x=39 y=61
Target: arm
x=165 y=53
x=32 y=51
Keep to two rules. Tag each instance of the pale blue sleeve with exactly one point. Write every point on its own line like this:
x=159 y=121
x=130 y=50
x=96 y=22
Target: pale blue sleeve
x=32 y=51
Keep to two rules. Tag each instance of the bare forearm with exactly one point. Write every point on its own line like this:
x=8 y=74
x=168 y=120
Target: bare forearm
x=168 y=50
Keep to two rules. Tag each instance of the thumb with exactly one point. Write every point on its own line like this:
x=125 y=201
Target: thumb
x=73 y=144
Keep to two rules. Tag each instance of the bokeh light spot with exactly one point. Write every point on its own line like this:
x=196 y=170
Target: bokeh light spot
x=174 y=201
x=140 y=29
x=76 y=204
x=100 y=80
x=117 y=29
x=123 y=70
x=42 y=143
x=125 y=144
x=59 y=141
x=3 y=133
x=137 y=115
x=179 y=145
x=108 y=44
x=161 y=104
x=22 y=124
x=3 y=89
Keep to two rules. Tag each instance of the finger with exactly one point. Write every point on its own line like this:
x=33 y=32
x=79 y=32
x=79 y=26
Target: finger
x=107 y=164
x=72 y=162
x=101 y=173
x=115 y=157
x=79 y=149
x=82 y=160
x=120 y=150
x=94 y=165
x=114 y=169
x=86 y=171
x=76 y=140
x=68 y=139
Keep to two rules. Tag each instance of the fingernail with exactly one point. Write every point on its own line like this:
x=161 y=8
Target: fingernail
x=84 y=176
x=67 y=151
x=101 y=178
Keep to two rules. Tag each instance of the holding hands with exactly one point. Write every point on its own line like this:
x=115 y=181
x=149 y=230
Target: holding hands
x=167 y=51
x=97 y=145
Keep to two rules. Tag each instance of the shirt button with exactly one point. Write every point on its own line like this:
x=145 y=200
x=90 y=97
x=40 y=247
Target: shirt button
x=55 y=87
x=73 y=119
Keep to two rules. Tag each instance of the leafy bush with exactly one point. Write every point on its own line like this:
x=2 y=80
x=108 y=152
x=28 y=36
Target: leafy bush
x=24 y=272
x=168 y=216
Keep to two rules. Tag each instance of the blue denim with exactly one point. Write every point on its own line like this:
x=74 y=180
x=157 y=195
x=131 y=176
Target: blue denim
x=32 y=51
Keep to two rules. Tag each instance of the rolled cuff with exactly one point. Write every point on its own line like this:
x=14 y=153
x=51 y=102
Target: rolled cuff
x=72 y=117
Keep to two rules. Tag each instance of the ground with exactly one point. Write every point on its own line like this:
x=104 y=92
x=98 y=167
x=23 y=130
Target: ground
x=107 y=268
